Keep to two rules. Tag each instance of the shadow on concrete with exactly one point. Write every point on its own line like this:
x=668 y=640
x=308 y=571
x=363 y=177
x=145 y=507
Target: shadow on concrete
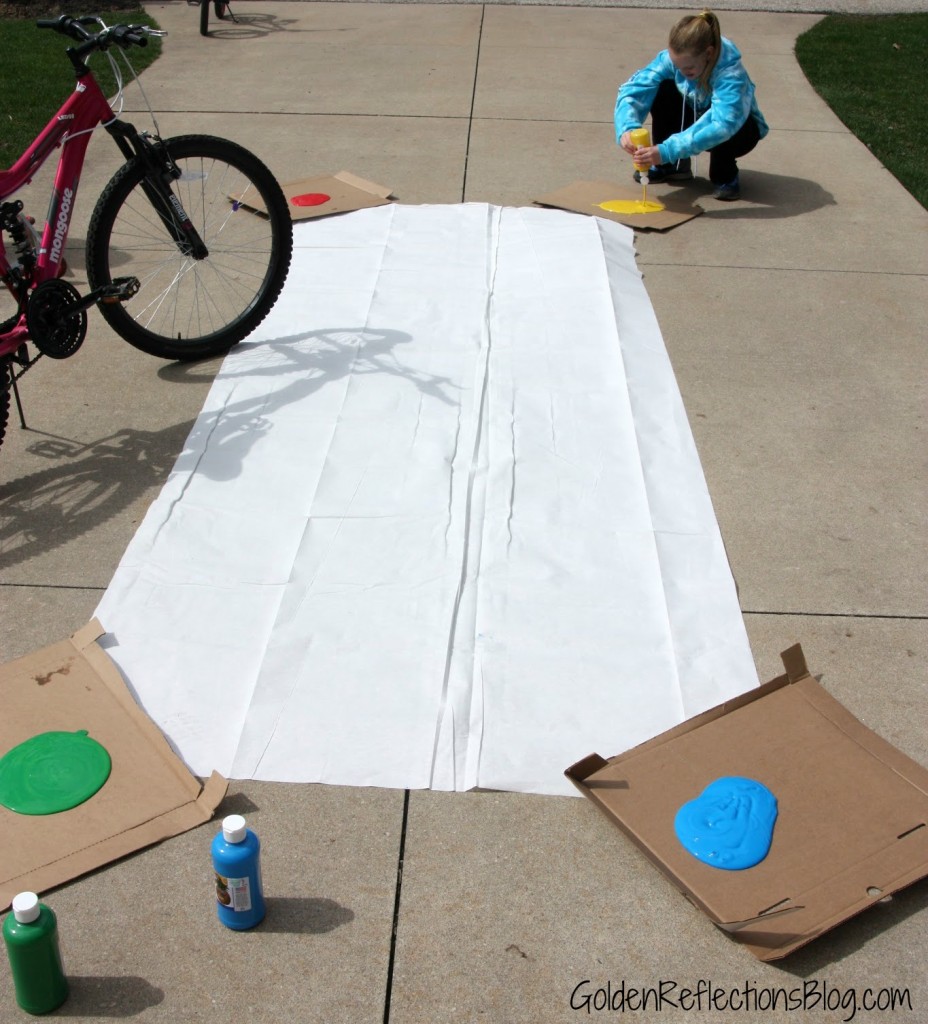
x=853 y=935
x=114 y=996
x=200 y=371
x=235 y=803
x=765 y=196
x=304 y=915
x=247 y=25
x=89 y=485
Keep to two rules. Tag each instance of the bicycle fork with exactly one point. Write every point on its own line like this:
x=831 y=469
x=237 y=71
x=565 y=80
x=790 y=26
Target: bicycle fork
x=161 y=172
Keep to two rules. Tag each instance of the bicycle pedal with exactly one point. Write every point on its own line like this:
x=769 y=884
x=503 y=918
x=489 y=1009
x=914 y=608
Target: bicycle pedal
x=120 y=289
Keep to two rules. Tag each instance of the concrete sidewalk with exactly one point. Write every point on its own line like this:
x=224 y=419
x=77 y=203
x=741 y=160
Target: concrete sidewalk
x=796 y=323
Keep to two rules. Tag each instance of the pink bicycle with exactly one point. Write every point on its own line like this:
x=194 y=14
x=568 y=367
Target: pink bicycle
x=188 y=245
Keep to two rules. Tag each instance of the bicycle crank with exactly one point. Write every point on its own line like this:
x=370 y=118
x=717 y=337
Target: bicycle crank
x=56 y=319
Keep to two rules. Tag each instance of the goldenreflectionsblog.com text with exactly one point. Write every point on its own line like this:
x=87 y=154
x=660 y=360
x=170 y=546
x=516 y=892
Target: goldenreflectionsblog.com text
x=608 y=997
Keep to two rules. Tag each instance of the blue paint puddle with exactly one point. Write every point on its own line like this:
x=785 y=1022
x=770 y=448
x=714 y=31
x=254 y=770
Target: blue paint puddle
x=730 y=824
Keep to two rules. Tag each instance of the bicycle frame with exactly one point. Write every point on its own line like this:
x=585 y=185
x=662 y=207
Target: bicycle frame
x=69 y=128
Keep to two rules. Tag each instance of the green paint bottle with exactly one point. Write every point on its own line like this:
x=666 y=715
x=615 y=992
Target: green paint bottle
x=31 y=937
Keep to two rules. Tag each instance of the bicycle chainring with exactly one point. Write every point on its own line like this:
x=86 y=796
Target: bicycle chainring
x=56 y=325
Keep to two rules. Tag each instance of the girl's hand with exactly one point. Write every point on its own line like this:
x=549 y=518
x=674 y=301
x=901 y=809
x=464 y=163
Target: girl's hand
x=626 y=143
x=650 y=155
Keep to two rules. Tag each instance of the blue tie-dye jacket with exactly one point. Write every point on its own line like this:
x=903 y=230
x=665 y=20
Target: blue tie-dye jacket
x=719 y=113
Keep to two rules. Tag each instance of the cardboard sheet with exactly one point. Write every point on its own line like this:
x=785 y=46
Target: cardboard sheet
x=441 y=522
x=586 y=197
x=852 y=809
x=325 y=194
x=149 y=795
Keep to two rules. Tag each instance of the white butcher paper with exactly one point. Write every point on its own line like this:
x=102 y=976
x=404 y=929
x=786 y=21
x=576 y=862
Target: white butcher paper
x=441 y=522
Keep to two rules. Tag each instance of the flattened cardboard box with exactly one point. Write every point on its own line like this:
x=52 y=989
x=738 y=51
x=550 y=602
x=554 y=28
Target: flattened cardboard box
x=852 y=824
x=586 y=196
x=327 y=194
x=149 y=796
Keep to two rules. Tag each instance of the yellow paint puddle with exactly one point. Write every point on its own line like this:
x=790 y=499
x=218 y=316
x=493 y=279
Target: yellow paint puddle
x=631 y=206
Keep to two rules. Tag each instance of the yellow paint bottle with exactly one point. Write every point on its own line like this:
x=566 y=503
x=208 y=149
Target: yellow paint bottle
x=640 y=137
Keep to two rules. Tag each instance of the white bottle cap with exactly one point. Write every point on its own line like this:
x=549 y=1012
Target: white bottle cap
x=26 y=907
x=233 y=828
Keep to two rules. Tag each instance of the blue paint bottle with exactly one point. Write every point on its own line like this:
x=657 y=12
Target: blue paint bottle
x=237 y=862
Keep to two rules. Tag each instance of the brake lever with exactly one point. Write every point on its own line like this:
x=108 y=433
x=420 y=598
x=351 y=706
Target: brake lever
x=138 y=33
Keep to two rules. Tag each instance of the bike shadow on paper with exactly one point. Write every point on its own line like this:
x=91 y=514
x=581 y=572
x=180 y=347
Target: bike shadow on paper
x=88 y=484
x=296 y=368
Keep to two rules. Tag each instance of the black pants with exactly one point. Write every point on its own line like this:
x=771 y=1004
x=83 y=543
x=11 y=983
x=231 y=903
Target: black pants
x=668 y=112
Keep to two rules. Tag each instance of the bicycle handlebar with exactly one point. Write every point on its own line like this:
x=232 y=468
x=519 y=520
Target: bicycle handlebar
x=122 y=35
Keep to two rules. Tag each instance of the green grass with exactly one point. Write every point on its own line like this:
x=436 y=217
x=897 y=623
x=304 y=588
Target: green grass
x=36 y=76
x=871 y=71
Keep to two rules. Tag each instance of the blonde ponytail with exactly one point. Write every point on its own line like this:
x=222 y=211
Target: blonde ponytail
x=693 y=34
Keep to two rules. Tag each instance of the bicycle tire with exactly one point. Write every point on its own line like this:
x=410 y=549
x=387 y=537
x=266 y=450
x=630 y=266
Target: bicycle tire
x=186 y=308
x=204 y=17
x=219 y=8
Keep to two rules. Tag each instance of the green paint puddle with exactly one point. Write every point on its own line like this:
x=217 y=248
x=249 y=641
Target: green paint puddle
x=52 y=772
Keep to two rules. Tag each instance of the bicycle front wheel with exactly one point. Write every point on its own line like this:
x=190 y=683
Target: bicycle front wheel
x=204 y=17
x=187 y=308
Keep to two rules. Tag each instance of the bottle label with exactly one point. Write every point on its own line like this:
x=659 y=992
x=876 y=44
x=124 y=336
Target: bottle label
x=234 y=893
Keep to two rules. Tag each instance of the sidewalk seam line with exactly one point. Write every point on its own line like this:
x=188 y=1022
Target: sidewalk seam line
x=788 y=270
x=838 y=615
x=57 y=586
x=473 y=100
x=388 y=994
